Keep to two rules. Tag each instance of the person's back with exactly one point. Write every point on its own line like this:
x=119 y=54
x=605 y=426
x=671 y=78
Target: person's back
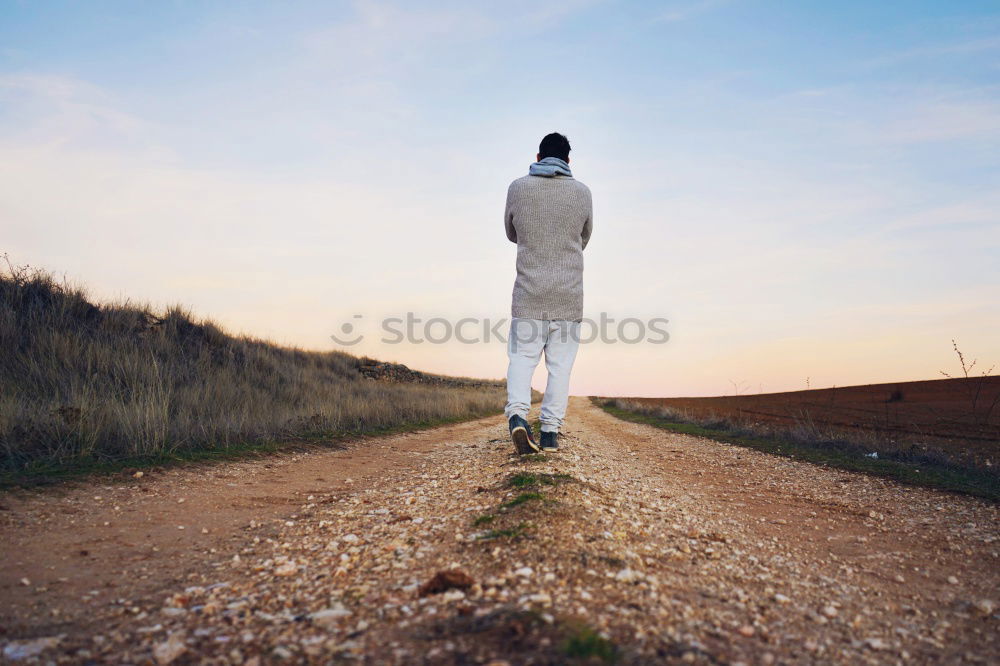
x=549 y=215
x=549 y=219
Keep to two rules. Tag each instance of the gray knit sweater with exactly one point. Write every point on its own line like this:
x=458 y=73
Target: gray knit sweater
x=550 y=219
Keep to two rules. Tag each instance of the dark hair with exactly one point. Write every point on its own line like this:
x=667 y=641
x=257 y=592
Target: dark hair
x=554 y=145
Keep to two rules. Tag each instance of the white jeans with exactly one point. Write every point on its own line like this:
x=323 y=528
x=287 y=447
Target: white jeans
x=528 y=339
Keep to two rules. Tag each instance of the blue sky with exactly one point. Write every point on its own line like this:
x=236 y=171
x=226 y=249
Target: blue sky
x=803 y=189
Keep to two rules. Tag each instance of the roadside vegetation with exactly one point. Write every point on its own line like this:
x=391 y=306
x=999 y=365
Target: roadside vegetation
x=528 y=487
x=88 y=387
x=907 y=465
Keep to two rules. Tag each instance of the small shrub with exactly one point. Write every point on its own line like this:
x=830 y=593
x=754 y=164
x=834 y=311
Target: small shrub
x=585 y=643
x=529 y=480
x=523 y=498
x=522 y=480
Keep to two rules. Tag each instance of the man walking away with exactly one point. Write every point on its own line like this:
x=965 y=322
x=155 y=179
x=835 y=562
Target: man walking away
x=549 y=215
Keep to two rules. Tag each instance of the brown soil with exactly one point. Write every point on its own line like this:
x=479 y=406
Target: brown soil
x=669 y=547
x=937 y=414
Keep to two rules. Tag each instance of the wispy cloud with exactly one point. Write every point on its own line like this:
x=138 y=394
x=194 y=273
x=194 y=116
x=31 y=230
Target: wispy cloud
x=683 y=12
x=897 y=114
x=60 y=109
x=975 y=212
x=382 y=29
x=411 y=32
x=969 y=46
x=946 y=120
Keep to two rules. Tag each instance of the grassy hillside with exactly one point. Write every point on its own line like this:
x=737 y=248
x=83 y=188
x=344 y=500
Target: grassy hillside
x=82 y=383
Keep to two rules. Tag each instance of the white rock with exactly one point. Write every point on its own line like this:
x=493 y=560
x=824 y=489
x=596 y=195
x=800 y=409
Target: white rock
x=540 y=598
x=167 y=651
x=351 y=538
x=628 y=576
x=24 y=649
x=452 y=595
x=876 y=644
x=286 y=569
x=986 y=606
x=328 y=616
x=525 y=572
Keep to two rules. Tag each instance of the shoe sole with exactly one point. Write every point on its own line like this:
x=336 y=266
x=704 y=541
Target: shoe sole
x=555 y=450
x=522 y=443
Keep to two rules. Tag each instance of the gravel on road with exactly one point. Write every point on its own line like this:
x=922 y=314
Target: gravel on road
x=631 y=545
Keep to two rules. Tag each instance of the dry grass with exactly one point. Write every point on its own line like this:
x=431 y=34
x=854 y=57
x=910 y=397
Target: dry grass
x=83 y=382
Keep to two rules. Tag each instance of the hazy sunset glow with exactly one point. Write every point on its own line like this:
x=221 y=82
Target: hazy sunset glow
x=802 y=189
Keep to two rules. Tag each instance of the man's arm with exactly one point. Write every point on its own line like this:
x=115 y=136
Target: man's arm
x=588 y=225
x=508 y=216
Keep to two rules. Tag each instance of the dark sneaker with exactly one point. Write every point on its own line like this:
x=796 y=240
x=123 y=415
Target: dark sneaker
x=550 y=441
x=520 y=432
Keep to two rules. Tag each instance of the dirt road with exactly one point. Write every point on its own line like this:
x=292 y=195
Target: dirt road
x=632 y=545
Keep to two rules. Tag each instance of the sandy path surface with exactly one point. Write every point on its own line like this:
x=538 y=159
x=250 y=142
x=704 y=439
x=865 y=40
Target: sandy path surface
x=631 y=545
